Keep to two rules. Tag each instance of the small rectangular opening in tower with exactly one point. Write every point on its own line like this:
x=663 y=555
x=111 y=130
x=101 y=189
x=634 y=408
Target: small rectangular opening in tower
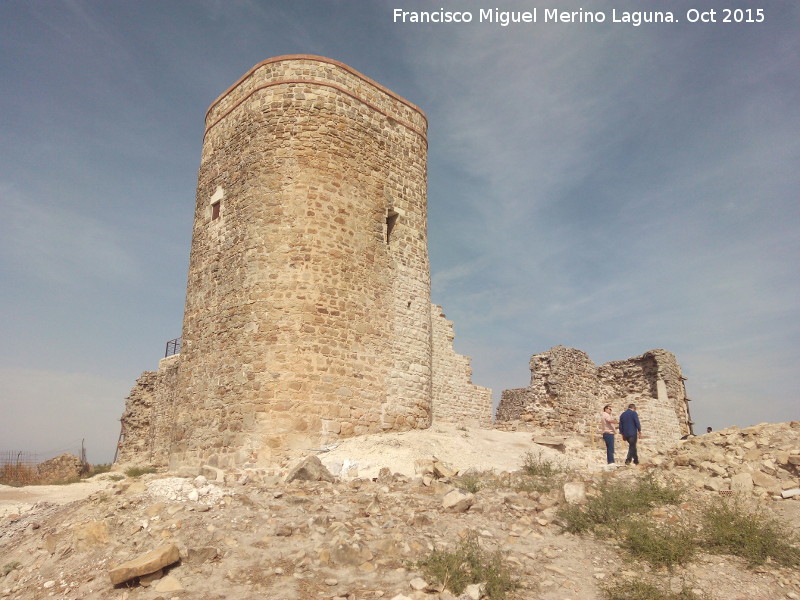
x=215 y=210
x=391 y=221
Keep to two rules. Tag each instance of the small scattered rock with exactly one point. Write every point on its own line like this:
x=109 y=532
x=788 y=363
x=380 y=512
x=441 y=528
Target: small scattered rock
x=168 y=584
x=418 y=584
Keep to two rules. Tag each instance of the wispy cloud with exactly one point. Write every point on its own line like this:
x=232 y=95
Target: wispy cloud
x=633 y=190
x=61 y=245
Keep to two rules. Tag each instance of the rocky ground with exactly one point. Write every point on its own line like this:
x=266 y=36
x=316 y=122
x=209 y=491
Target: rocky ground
x=251 y=534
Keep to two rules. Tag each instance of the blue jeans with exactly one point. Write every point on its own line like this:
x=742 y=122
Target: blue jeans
x=608 y=438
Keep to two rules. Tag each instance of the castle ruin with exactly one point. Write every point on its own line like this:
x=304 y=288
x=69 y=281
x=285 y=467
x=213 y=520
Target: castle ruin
x=308 y=314
x=568 y=392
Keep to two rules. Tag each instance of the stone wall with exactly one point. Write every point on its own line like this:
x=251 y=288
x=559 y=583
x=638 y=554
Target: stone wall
x=148 y=416
x=308 y=313
x=455 y=398
x=567 y=393
x=65 y=467
x=654 y=382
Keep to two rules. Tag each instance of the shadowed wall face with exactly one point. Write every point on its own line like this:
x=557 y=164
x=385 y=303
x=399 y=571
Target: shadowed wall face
x=308 y=301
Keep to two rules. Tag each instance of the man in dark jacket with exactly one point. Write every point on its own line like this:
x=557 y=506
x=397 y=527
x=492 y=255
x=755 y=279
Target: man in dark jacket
x=630 y=429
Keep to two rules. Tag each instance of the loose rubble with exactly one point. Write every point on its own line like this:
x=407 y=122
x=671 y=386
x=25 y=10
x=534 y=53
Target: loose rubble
x=256 y=534
x=764 y=459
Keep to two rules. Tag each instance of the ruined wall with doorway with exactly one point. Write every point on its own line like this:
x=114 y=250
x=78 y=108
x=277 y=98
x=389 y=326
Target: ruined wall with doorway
x=567 y=393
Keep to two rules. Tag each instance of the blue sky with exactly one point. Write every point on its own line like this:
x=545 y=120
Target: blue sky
x=597 y=185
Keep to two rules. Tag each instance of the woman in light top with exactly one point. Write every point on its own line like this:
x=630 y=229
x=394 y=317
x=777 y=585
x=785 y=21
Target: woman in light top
x=607 y=423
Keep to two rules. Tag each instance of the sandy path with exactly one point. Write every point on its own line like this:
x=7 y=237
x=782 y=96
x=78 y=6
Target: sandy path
x=15 y=500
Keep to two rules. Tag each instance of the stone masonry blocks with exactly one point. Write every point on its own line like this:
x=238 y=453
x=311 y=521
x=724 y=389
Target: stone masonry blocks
x=455 y=398
x=568 y=392
x=305 y=316
x=308 y=313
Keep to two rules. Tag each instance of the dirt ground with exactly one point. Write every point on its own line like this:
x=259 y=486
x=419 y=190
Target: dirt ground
x=251 y=537
x=462 y=449
x=15 y=499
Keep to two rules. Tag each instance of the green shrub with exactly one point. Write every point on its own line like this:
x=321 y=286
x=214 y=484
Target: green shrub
x=658 y=493
x=538 y=465
x=101 y=468
x=139 y=471
x=68 y=481
x=539 y=473
x=616 y=502
x=469 y=564
x=532 y=484
x=731 y=528
x=470 y=482
x=661 y=546
x=648 y=589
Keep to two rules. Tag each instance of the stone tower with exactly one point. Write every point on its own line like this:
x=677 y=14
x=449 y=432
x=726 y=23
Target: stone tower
x=308 y=297
x=308 y=314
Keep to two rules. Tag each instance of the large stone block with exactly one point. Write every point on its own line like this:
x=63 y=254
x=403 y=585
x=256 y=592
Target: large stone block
x=742 y=482
x=152 y=561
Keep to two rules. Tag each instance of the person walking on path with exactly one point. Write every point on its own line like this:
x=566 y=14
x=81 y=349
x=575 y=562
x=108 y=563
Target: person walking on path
x=607 y=423
x=630 y=429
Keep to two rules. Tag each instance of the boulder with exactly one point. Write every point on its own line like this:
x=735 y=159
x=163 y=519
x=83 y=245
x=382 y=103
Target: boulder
x=443 y=471
x=202 y=554
x=742 y=482
x=574 y=492
x=418 y=584
x=765 y=481
x=791 y=493
x=474 y=591
x=212 y=473
x=168 y=584
x=61 y=468
x=90 y=535
x=350 y=554
x=458 y=501
x=518 y=502
x=147 y=563
x=423 y=466
x=310 y=469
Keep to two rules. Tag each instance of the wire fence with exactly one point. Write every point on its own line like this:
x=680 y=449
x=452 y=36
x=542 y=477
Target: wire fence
x=19 y=458
x=20 y=467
